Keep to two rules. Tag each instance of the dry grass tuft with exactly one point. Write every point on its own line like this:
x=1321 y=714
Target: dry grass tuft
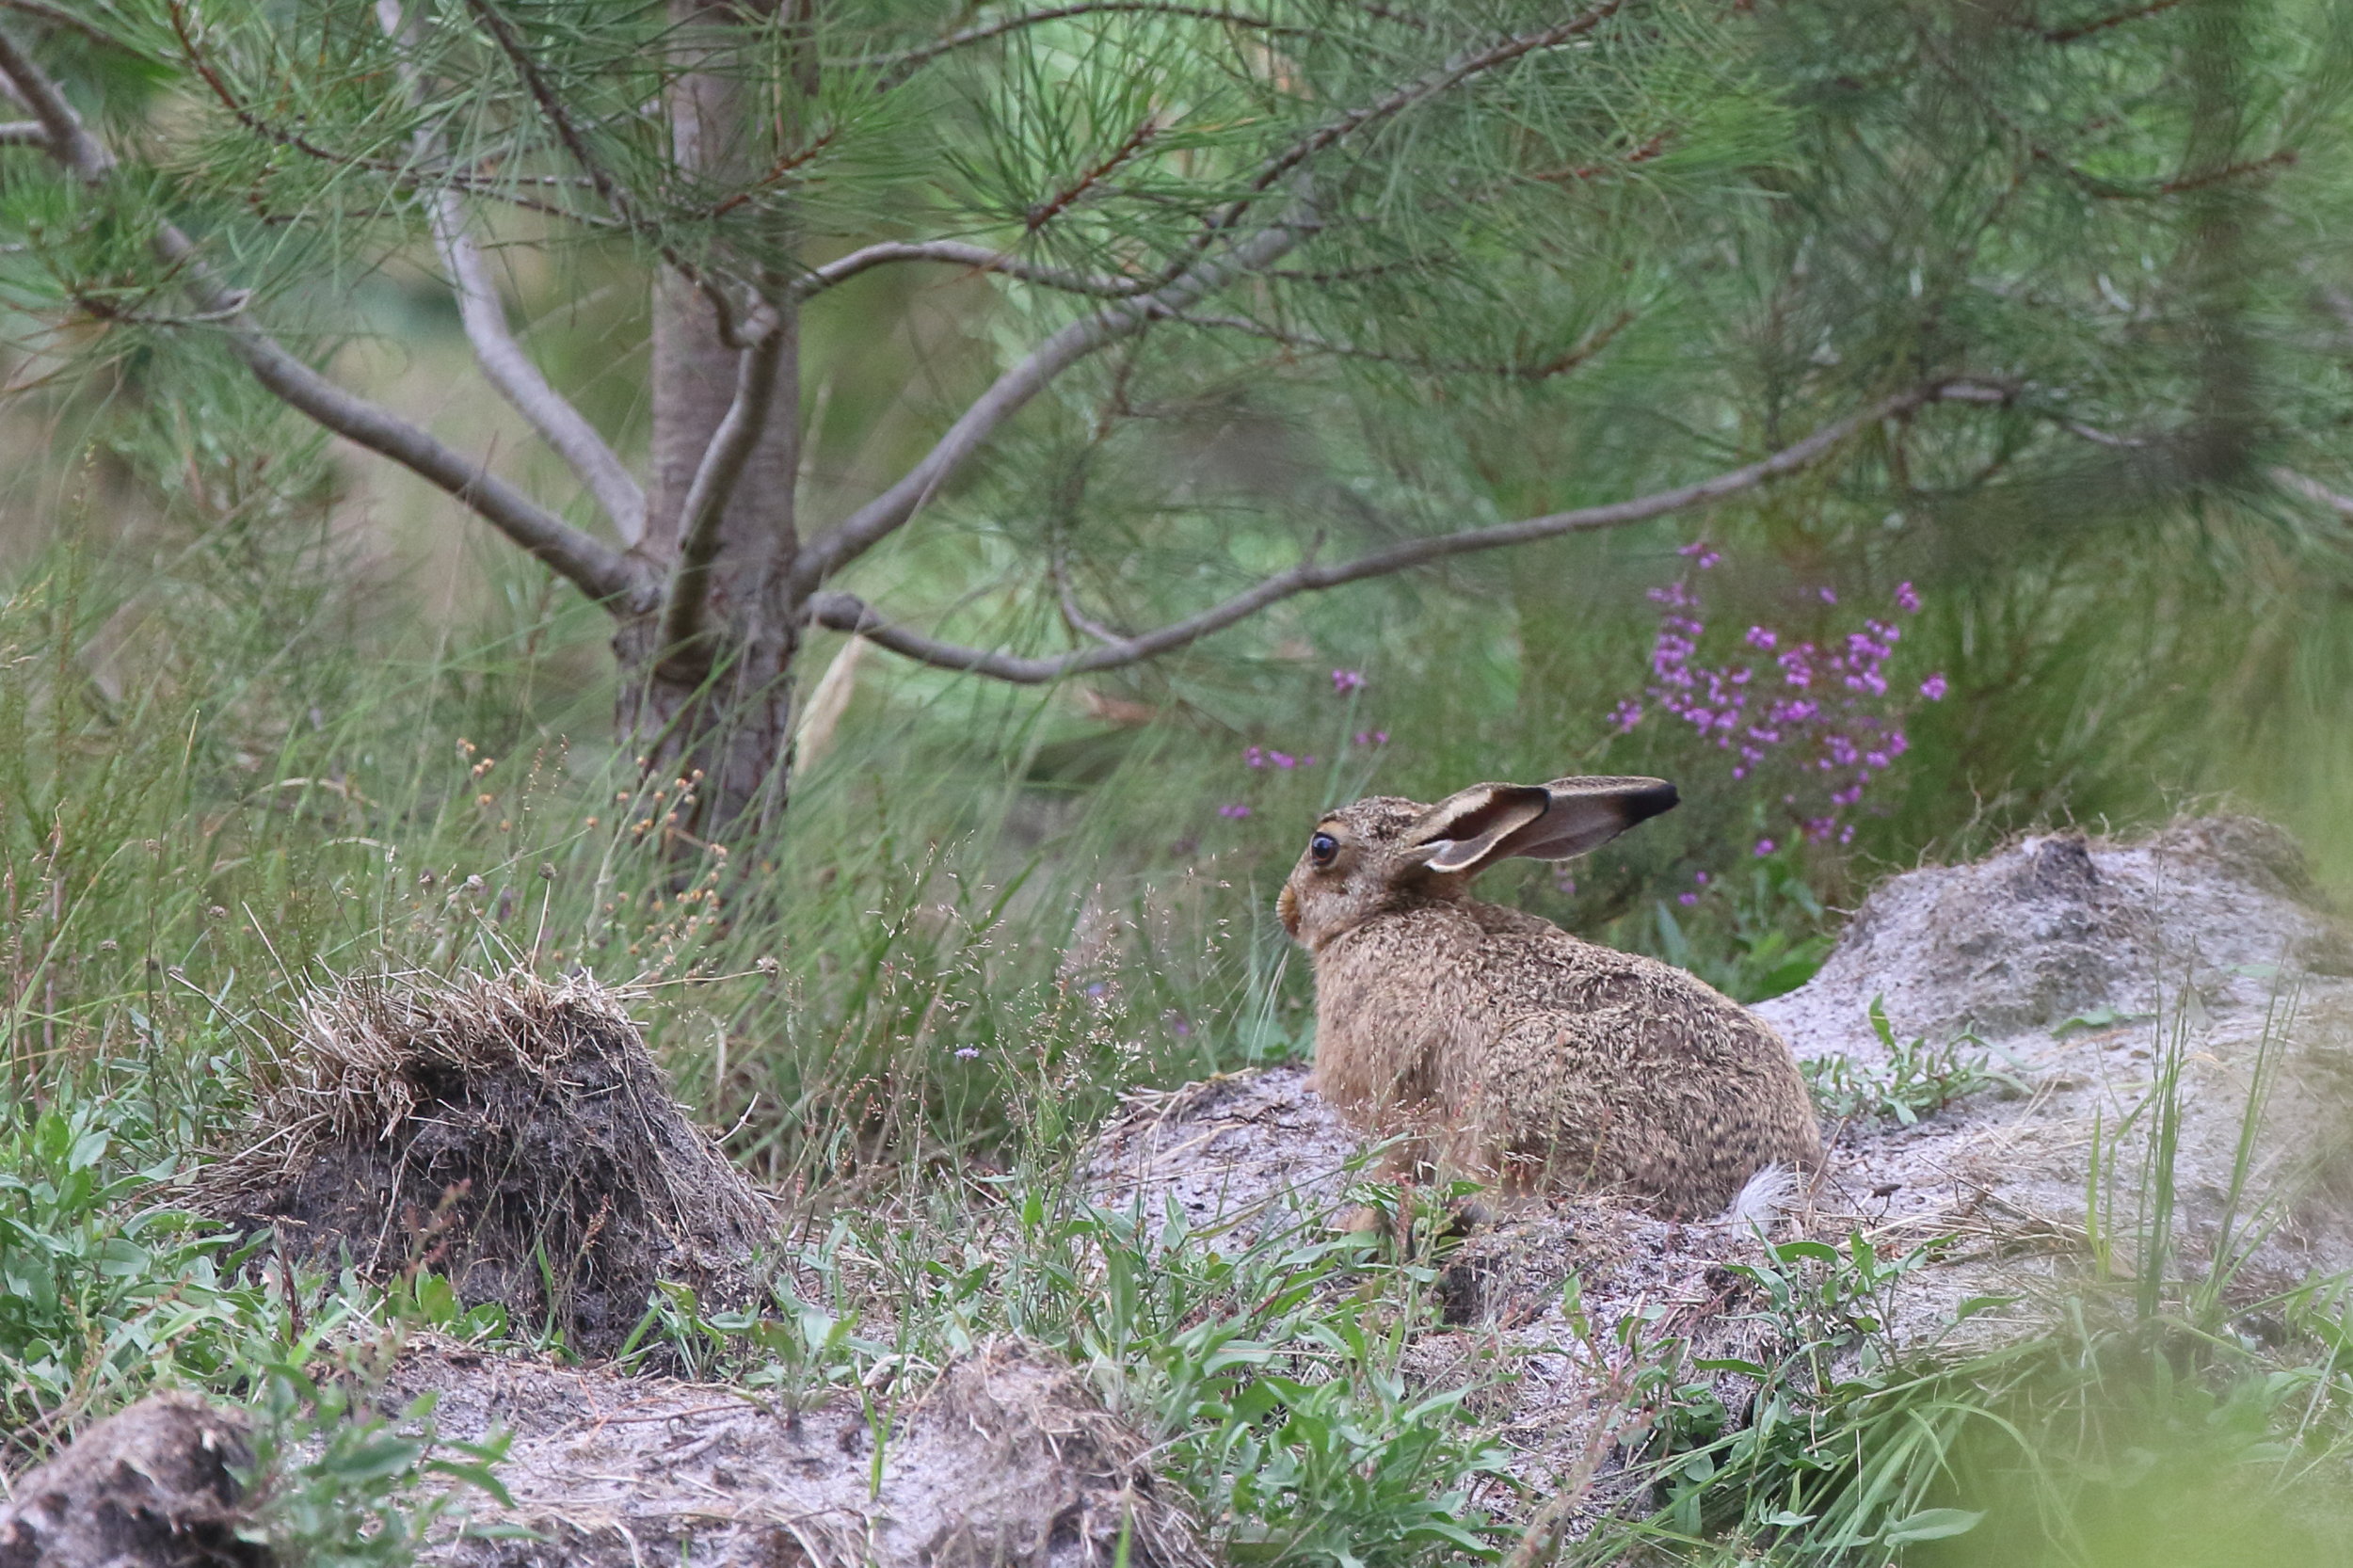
x=510 y=1133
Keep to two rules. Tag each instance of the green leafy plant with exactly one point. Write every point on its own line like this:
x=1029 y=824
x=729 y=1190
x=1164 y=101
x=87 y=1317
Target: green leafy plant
x=1752 y=931
x=98 y=1292
x=429 y=1300
x=1920 y=1080
x=336 y=1485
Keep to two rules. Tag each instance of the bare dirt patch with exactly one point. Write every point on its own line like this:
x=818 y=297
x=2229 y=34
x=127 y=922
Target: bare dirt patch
x=149 y=1487
x=511 y=1134
x=1007 y=1459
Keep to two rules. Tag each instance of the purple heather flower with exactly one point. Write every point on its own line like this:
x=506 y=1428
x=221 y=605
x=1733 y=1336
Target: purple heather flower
x=1762 y=637
x=967 y=1053
x=1373 y=737
x=1235 y=811
x=1764 y=847
x=1344 y=681
x=1702 y=878
x=1096 y=989
x=1626 y=715
x=1830 y=594
x=1907 y=599
x=1180 y=1029
x=1253 y=757
x=1307 y=761
x=1933 y=688
x=1687 y=899
x=1282 y=758
x=1697 y=547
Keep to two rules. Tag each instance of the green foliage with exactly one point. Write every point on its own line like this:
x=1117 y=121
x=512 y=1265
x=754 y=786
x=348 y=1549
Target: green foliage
x=99 y=1291
x=333 y=1484
x=1918 y=1080
x=1267 y=1373
x=1763 y=931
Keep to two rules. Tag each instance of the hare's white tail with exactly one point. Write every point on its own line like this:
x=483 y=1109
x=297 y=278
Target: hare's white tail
x=1765 y=1198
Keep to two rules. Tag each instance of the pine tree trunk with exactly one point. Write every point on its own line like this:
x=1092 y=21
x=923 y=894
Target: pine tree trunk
x=728 y=728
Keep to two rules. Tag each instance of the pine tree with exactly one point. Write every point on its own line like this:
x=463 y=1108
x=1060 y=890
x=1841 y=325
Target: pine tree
x=1911 y=249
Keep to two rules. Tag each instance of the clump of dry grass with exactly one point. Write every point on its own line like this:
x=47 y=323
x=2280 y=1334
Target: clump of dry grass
x=509 y=1132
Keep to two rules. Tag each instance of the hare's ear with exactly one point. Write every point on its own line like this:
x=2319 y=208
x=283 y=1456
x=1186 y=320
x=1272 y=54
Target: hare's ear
x=1586 y=813
x=1468 y=828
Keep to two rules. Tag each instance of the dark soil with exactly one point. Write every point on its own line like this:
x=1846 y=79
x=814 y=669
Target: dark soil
x=148 y=1488
x=514 y=1136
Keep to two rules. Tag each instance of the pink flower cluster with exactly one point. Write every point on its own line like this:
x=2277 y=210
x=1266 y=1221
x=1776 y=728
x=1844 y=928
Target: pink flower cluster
x=1344 y=682
x=1827 y=707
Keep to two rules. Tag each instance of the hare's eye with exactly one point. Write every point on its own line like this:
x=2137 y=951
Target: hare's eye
x=1321 y=848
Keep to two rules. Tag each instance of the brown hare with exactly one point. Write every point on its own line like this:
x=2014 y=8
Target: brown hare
x=1497 y=1045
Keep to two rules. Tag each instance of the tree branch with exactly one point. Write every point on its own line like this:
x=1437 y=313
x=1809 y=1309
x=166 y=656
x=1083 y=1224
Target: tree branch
x=616 y=196
x=2101 y=23
x=402 y=176
x=958 y=253
x=908 y=62
x=60 y=17
x=1185 y=283
x=1542 y=370
x=842 y=612
x=1131 y=147
x=714 y=482
x=1452 y=73
x=2313 y=490
x=1076 y=619
x=601 y=572
x=510 y=370
x=565 y=429
x=871 y=523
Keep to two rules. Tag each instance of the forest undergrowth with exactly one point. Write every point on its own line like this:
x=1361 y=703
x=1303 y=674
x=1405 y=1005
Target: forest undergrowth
x=991 y=916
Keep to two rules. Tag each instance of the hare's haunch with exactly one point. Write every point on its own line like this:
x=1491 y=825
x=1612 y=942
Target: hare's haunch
x=1494 y=1043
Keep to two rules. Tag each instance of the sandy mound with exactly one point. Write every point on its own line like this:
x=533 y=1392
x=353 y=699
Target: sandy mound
x=1008 y=1458
x=147 y=1488
x=2061 y=926
x=1234 y=1153
x=2092 y=972
x=2057 y=952
x=504 y=1133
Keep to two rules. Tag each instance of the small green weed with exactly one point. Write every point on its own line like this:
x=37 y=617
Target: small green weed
x=374 y=1488
x=1920 y=1080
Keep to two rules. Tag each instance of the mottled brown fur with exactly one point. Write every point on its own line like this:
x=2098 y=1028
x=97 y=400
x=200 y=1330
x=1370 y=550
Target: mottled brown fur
x=1497 y=1044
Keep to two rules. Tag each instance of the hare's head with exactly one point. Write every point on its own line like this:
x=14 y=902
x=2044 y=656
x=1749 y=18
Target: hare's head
x=1383 y=853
